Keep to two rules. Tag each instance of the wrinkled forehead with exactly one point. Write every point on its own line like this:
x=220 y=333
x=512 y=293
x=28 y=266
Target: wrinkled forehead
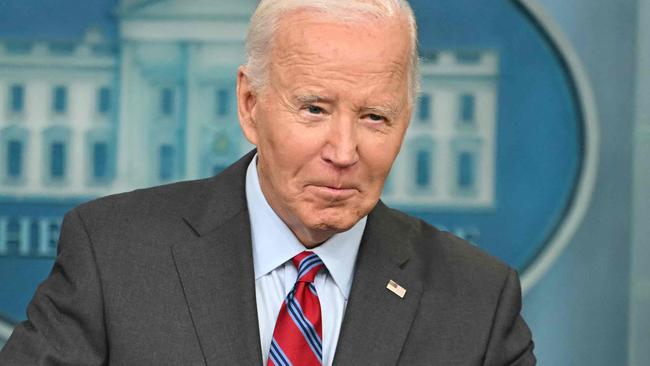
x=312 y=36
x=355 y=21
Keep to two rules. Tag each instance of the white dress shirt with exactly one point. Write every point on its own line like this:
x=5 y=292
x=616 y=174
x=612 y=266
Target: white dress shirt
x=274 y=245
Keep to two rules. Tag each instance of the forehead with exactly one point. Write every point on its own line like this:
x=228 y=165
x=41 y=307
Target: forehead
x=307 y=40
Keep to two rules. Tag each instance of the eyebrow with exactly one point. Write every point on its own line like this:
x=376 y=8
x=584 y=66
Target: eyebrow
x=387 y=109
x=312 y=98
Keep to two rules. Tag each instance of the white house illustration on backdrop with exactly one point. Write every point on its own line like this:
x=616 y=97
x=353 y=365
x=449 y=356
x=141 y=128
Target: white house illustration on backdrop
x=94 y=116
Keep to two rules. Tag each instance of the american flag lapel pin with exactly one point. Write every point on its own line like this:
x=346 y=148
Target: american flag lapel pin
x=395 y=288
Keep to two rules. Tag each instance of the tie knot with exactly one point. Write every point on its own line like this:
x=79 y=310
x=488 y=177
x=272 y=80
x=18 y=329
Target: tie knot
x=308 y=264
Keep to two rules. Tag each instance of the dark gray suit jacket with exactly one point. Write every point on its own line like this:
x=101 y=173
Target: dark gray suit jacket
x=164 y=276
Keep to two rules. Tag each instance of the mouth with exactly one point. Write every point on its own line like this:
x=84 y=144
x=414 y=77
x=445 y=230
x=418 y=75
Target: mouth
x=333 y=193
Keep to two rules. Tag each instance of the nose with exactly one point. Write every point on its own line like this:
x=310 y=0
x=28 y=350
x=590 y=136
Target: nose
x=342 y=147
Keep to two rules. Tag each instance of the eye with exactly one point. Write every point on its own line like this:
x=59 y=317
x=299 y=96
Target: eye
x=376 y=117
x=313 y=109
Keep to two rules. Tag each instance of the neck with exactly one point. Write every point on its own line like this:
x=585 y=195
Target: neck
x=308 y=238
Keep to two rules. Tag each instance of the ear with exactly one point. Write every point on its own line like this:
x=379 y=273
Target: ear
x=246 y=103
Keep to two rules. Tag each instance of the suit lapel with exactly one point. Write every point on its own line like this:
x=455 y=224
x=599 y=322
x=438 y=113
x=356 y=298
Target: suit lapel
x=216 y=272
x=215 y=267
x=377 y=320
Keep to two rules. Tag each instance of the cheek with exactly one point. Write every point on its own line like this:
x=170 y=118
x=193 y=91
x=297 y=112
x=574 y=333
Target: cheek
x=289 y=154
x=380 y=157
x=289 y=150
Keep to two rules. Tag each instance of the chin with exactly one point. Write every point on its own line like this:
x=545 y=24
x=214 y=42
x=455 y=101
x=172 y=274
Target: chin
x=335 y=221
x=332 y=227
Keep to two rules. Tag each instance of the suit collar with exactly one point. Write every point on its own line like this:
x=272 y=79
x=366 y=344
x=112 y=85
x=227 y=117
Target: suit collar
x=223 y=197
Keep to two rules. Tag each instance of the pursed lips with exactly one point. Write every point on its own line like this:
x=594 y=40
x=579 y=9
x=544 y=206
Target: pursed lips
x=336 y=192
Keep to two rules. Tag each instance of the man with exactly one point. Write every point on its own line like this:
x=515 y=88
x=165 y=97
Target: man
x=287 y=257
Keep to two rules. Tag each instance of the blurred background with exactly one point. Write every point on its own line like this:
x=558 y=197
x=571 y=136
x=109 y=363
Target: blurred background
x=529 y=138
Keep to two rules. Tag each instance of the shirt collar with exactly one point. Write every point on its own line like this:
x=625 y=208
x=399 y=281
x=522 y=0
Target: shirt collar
x=274 y=243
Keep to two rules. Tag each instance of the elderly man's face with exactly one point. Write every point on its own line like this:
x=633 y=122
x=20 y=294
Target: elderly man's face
x=330 y=122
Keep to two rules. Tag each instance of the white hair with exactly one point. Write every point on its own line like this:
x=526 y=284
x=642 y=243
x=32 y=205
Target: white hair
x=264 y=24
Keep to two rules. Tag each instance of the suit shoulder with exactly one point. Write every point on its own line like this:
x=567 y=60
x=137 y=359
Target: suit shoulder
x=168 y=196
x=443 y=251
x=224 y=189
x=144 y=215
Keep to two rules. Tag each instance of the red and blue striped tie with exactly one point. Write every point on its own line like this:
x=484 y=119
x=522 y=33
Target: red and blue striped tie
x=298 y=336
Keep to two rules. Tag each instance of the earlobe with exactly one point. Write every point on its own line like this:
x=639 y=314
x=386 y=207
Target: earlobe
x=246 y=106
